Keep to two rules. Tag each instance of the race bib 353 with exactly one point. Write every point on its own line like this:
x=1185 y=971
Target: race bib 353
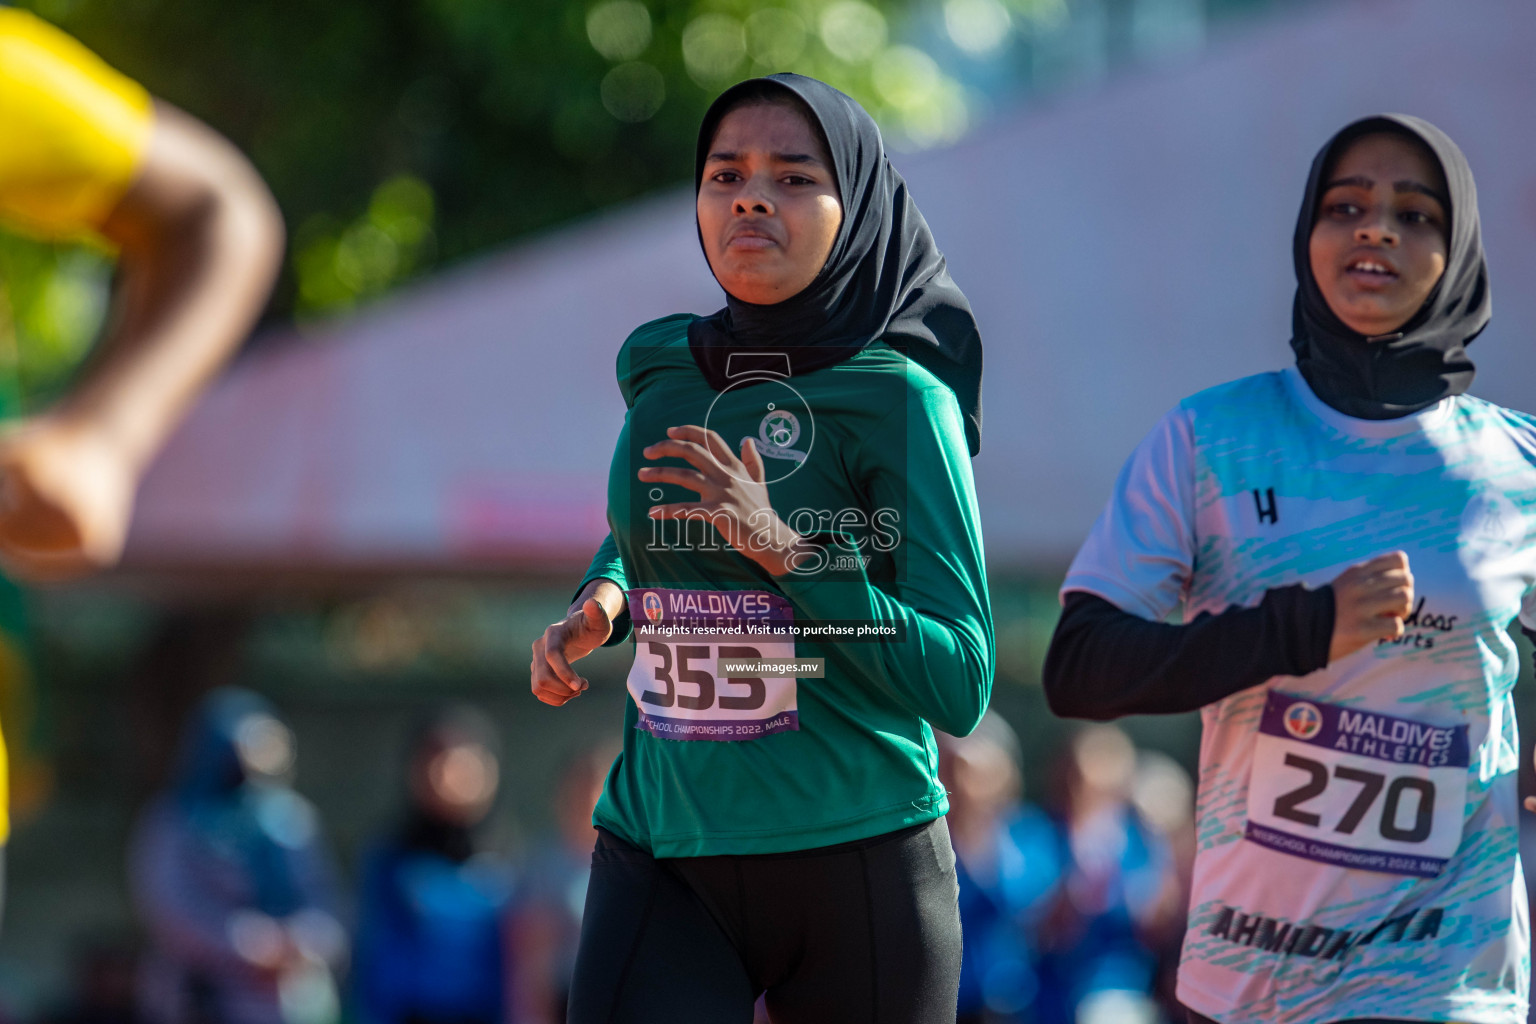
x=680 y=638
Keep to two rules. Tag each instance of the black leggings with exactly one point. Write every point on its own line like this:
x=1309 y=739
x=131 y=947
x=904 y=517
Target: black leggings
x=867 y=931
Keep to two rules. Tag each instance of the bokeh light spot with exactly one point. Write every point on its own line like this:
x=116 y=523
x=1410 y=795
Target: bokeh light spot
x=905 y=77
x=979 y=27
x=929 y=107
x=338 y=265
x=619 y=29
x=775 y=37
x=633 y=92
x=713 y=47
x=366 y=258
x=402 y=208
x=853 y=31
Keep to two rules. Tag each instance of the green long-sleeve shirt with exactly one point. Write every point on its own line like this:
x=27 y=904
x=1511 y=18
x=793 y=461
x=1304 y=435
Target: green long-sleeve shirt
x=869 y=456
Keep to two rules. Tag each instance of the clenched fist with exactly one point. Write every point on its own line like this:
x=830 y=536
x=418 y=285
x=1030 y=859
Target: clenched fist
x=1370 y=601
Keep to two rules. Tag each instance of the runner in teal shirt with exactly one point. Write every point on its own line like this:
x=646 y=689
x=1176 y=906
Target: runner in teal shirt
x=811 y=502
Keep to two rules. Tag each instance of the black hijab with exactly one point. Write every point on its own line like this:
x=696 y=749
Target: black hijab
x=885 y=279
x=1426 y=359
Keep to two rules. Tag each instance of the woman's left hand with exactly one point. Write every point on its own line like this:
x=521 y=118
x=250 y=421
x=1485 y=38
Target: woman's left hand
x=733 y=495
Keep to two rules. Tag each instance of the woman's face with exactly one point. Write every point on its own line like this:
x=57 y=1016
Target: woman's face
x=1379 y=245
x=768 y=204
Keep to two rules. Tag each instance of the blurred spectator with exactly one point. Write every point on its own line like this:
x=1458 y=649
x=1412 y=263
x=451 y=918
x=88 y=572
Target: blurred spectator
x=1096 y=965
x=1164 y=797
x=1008 y=863
x=546 y=923
x=430 y=945
x=232 y=882
x=103 y=986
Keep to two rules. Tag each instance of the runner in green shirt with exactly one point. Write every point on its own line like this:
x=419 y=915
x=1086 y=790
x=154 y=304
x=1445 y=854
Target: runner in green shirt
x=792 y=482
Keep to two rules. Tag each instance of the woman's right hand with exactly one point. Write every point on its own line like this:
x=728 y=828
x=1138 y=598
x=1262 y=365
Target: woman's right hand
x=585 y=628
x=1370 y=602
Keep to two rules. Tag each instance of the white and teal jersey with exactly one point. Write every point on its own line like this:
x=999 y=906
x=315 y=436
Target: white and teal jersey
x=1357 y=826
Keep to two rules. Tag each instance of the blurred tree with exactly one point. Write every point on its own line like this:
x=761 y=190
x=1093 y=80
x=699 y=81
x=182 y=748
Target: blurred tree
x=399 y=135
x=52 y=299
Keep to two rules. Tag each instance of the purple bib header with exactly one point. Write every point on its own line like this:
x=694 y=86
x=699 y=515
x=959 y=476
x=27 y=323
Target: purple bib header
x=1366 y=733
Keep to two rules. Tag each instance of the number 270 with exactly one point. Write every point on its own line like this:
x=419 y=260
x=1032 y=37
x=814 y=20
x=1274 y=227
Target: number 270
x=1288 y=805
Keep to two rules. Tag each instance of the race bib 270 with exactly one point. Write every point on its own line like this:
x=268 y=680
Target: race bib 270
x=1356 y=789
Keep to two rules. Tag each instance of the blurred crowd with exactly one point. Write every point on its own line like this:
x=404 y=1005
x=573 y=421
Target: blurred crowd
x=1072 y=904
x=1073 y=907
x=245 y=918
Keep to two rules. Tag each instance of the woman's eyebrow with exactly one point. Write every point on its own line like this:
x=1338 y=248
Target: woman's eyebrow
x=780 y=158
x=1406 y=185
x=1357 y=181
x=1422 y=189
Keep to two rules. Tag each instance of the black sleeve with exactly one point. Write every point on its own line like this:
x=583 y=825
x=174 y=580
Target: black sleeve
x=1104 y=662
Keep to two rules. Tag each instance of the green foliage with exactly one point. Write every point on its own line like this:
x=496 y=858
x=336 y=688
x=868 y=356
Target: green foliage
x=338 y=265
x=505 y=118
x=52 y=301
x=399 y=135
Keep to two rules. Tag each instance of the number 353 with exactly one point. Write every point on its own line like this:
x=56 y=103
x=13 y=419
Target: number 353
x=756 y=694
